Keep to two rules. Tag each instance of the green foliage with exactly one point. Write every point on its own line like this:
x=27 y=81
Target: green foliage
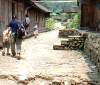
x=63 y=16
x=75 y=21
x=50 y=22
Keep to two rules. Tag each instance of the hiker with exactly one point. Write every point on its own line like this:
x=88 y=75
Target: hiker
x=26 y=23
x=16 y=36
x=35 y=31
x=6 y=41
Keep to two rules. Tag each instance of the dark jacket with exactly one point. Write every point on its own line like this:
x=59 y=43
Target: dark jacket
x=14 y=24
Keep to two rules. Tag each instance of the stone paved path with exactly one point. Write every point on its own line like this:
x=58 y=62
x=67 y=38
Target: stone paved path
x=41 y=61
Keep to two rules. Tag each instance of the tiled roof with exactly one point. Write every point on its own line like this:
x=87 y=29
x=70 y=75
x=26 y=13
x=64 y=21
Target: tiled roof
x=41 y=7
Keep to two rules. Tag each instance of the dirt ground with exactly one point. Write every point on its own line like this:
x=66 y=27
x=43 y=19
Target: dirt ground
x=40 y=61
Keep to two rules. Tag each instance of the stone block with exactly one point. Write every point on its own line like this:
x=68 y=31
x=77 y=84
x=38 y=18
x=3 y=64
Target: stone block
x=66 y=32
x=58 y=47
x=74 y=42
x=56 y=83
x=65 y=42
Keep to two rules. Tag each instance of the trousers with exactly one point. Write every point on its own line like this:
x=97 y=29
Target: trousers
x=15 y=44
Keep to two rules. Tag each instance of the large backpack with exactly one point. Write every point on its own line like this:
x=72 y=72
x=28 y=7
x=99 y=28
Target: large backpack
x=20 y=33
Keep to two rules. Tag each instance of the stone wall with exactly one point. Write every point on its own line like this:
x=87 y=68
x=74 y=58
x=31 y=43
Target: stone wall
x=64 y=33
x=70 y=39
x=92 y=48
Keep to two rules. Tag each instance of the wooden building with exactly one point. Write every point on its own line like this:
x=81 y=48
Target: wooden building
x=90 y=14
x=37 y=13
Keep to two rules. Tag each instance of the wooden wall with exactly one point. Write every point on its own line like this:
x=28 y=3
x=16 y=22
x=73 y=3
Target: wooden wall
x=6 y=12
x=88 y=15
x=38 y=17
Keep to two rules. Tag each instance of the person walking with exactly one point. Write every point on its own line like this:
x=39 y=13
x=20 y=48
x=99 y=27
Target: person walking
x=26 y=23
x=6 y=41
x=36 y=31
x=16 y=37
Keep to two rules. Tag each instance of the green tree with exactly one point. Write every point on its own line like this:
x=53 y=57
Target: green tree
x=50 y=22
x=75 y=21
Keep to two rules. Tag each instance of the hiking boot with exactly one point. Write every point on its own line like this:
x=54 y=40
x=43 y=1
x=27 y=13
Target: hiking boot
x=3 y=53
x=13 y=53
x=18 y=56
x=8 y=54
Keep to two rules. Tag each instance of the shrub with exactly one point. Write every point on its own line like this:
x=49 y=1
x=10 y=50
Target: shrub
x=50 y=22
x=75 y=21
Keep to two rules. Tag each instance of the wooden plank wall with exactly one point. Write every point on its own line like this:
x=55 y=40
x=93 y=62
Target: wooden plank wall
x=21 y=11
x=41 y=22
x=9 y=10
x=32 y=19
x=0 y=18
x=3 y=14
x=1 y=44
x=88 y=15
x=37 y=17
x=6 y=12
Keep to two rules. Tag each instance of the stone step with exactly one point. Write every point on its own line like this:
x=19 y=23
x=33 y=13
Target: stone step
x=77 y=37
x=73 y=42
x=58 y=47
x=64 y=33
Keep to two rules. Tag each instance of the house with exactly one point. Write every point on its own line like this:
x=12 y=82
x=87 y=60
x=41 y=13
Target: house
x=90 y=14
x=71 y=10
x=37 y=13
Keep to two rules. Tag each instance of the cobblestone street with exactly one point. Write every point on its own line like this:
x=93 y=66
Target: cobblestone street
x=41 y=61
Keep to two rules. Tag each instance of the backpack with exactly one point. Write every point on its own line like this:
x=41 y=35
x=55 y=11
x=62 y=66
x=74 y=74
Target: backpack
x=20 y=33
